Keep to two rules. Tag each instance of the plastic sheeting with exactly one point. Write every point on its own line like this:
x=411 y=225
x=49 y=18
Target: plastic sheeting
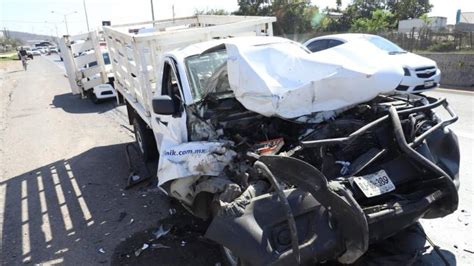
x=281 y=78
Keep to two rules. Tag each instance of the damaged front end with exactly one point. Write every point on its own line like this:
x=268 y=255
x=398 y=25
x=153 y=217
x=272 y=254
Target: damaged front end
x=299 y=192
x=284 y=190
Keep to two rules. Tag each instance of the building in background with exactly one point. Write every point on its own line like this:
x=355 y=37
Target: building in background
x=434 y=24
x=464 y=21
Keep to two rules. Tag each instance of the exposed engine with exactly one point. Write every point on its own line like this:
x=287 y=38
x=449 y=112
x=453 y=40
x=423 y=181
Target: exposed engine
x=280 y=163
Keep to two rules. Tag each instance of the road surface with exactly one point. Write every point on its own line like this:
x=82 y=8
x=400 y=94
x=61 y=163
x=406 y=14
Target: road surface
x=63 y=169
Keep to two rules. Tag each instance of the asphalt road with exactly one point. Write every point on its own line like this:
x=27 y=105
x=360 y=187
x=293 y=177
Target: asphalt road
x=63 y=172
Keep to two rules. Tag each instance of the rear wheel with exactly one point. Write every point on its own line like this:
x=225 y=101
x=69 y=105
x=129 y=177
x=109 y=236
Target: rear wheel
x=145 y=139
x=94 y=98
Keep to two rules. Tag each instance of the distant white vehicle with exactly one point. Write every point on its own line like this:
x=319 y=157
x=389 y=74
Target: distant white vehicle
x=36 y=51
x=420 y=73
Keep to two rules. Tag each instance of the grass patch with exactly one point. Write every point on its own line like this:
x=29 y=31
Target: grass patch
x=8 y=56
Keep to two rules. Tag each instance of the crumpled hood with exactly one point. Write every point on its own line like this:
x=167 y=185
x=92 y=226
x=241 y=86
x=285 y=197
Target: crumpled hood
x=282 y=79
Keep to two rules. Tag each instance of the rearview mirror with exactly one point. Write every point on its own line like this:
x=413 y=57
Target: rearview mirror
x=163 y=105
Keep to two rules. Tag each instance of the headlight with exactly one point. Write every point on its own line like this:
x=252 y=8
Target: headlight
x=406 y=71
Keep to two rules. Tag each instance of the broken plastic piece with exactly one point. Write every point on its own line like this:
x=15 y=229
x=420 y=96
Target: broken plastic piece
x=158 y=246
x=160 y=232
x=101 y=250
x=269 y=147
x=140 y=250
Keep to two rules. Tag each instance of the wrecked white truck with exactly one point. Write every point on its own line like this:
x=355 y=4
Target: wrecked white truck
x=296 y=158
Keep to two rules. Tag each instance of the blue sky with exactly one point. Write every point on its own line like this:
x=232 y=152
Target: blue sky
x=35 y=15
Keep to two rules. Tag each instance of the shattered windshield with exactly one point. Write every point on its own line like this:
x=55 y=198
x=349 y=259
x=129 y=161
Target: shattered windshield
x=204 y=72
x=386 y=45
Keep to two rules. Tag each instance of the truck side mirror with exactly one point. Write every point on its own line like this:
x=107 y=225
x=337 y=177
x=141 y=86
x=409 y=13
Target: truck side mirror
x=163 y=105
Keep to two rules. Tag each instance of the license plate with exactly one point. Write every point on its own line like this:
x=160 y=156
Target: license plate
x=429 y=83
x=374 y=184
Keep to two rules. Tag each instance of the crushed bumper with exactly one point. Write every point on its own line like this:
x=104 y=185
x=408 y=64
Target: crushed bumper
x=321 y=220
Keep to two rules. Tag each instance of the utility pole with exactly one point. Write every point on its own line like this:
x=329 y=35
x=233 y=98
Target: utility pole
x=172 y=8
x=152 y=11
x=85 y=12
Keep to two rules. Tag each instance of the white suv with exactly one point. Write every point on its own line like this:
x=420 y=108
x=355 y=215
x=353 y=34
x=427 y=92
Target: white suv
x=421 y=73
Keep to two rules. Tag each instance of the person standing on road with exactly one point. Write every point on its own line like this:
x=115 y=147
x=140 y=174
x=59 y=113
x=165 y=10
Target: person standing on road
x=23 y=57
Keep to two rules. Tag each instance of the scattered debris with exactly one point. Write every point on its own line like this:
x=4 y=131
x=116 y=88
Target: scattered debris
x=101 y=250
x=183 y=243
x=172 y=211
x=158 y=246
x=464 y=217
x=160 y=232
x=140 y=250
x=469 y=251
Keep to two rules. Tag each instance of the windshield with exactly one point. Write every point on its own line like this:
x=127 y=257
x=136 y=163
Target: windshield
x=385 y=45
x=201 y=68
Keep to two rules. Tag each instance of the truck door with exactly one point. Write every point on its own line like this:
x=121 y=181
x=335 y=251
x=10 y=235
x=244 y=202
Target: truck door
x=170 y=130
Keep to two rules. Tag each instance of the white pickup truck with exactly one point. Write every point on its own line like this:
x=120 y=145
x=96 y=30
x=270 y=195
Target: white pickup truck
x=294 y=158
x=87 y=65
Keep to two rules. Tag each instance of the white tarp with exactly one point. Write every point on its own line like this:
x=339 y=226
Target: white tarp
x=282 y=79
x=196 y=158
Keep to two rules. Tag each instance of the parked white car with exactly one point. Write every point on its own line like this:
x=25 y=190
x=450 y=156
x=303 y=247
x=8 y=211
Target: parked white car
x=420 y=73
x=36 y=51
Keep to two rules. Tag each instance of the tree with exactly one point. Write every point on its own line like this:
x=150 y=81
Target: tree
x=379 y=21
x=407 y=9
x=295 y=16
x=210 y=12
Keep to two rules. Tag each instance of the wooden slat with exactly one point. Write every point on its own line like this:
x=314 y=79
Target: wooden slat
x=80 y=47
x=82 y=60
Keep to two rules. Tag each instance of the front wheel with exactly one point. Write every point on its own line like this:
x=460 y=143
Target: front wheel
x=145 y=139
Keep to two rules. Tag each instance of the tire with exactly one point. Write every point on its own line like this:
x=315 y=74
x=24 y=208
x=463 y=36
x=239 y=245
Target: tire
x=94 y=98
x=145 y=139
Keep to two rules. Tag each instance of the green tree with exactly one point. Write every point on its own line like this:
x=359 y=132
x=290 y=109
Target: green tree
x=211 y=12
x=380 y=20
x=295 y=16
x=406 y=9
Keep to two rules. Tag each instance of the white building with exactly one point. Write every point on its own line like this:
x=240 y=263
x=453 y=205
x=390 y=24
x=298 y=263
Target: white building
x=435 y=24
x=467 y=17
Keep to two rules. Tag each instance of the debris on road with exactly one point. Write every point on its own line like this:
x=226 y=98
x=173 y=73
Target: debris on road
x=469 y=251
x=158 y=246
x=140 y=250
x=160 y=232
x=131 y=221
x=101 y=250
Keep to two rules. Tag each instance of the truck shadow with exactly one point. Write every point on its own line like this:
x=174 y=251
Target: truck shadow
x=74 y=211
x=74 y=104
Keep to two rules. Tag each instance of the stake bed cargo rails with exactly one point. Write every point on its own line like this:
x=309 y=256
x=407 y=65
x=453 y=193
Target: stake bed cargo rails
x=136 y=49
x=87 y=71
